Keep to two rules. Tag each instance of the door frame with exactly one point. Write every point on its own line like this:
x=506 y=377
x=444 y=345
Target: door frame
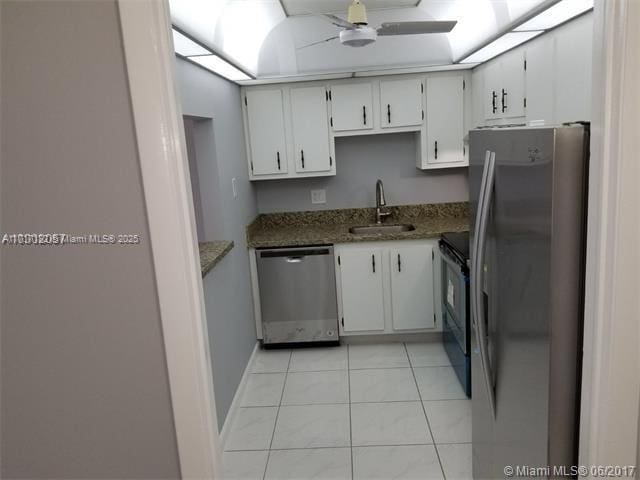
x=609 y=418
x=611 y=368
x=149 y=56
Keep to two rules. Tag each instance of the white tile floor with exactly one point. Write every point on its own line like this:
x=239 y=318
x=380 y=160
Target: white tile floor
x=388 y=411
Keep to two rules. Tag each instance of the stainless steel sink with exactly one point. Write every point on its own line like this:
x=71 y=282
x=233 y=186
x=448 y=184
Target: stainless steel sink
x=377 y=229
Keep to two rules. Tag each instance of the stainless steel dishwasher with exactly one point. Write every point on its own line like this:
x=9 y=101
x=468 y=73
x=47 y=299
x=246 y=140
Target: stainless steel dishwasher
x=298 y=295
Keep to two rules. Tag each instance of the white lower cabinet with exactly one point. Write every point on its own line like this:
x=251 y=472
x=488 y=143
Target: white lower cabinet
x=411 y=277
x=362 y=288
x=386 y=287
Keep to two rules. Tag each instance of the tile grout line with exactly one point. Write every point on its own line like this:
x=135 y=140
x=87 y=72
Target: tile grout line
x=353 y=369
x=275 y=423
x=350 y=423
x=360 y=446
x=433 y=439
x=354 y=403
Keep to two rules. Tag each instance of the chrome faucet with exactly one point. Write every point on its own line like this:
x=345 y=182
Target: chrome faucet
x=380 y=202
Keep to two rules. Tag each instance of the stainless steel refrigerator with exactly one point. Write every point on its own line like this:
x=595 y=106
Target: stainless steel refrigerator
x=527 y=188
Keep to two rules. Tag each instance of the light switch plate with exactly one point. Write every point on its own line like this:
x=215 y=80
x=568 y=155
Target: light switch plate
x=319 y=196
x=234 y=187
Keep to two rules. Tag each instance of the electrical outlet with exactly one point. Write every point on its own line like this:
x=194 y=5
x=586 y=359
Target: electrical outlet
x=319 y=196
x=234 y=187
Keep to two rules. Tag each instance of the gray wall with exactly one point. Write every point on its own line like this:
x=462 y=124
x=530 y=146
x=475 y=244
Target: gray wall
x=360 y=162
x=190 y=126
x=85 y=391
x=220 y=158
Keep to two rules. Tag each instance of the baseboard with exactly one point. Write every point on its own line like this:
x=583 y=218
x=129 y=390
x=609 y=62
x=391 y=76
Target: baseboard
x=237 y=399
x=391 y=338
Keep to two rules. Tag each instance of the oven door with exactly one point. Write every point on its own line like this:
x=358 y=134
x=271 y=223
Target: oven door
x=454 y=300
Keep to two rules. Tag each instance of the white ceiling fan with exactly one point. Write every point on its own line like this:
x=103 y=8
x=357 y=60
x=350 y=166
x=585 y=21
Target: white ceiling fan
x=356 y=31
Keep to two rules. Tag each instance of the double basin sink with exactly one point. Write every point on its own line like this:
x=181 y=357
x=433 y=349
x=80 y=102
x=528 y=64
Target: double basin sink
x=381 y=229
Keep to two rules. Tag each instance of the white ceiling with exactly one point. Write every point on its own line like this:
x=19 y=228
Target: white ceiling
x=259 y=36
x=304 y=7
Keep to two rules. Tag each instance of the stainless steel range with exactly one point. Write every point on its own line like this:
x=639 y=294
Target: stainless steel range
x=455 y=304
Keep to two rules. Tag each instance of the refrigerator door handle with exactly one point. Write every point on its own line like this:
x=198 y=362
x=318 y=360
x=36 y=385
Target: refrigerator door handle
x=477 y=257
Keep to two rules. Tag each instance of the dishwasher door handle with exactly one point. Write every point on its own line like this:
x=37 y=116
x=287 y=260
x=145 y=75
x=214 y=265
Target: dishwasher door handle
x=293 y=259
x=299 y=253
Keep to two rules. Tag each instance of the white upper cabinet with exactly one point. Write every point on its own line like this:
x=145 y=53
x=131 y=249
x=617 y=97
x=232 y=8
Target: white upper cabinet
x=265 y=131
x=573 y=62
x=504 y=86
x=352 y=106
x=546 y=81
x=512 y=89
x=492 y=82
x=412 y=301
x=361 y=276
x=445 y=121
x=291 y=128
x=310 y=127
x=539 y=81
x=401 y=102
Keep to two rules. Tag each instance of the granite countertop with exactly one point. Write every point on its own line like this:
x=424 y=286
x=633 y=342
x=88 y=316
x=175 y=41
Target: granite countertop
x=332 y=226
x=211 y=253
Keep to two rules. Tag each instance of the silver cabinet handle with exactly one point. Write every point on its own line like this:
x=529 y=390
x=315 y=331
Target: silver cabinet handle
x=293 y=259
x=477 y=262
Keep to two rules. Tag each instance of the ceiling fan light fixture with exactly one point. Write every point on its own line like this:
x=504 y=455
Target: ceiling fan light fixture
x=358 y=37
x=357 y=13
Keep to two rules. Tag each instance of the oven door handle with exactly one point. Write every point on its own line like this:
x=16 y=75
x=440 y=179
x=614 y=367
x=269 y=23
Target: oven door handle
x=452 y=263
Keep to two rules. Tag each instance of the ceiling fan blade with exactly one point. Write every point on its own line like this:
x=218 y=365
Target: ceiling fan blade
x=318 y=42
x=414 y=28
x=337 y=21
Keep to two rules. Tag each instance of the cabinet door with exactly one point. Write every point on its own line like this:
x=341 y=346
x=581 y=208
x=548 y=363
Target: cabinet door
x=491 y=91
x=401 y=102
x=412 y=287
x=539 y=80
x=572 y=72
x=352 y=106
x=445 y=119
x=310 y=129
x=265 y=122
x=362 y=290
x=511 y=93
